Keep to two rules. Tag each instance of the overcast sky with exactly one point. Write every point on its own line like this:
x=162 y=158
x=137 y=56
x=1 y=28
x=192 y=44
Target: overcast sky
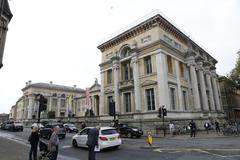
x=56 y=40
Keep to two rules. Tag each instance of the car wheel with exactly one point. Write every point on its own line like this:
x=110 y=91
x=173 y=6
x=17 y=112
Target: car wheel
x=63 y=136
x=74 y=143
x=138 y=136
x=129 y=135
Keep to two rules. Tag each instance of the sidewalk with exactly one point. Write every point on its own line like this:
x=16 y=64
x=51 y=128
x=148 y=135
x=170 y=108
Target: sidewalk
x=199 y=135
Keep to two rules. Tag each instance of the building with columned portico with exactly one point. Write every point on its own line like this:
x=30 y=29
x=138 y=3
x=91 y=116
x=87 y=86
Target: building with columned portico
x=153 y=63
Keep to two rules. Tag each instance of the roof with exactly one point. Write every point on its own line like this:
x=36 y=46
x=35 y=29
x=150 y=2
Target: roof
x=148 y=20
x=53 y=86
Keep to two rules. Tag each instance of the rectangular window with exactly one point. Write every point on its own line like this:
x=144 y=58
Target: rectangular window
x=150 y=99
x=148 y=65
x=182 y=69
x=169 y=63
x=62 y=103
x=127 y=71
x=184 y=93
x=54 y=104
x=109 y=76
x=127 y=101
x=173 y=98
x=109 y=100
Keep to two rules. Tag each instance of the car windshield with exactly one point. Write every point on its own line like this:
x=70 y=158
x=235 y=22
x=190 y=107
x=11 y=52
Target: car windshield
x=70 y=125
x=109 y=131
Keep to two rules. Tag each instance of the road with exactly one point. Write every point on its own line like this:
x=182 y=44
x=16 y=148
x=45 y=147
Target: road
x=171 y=148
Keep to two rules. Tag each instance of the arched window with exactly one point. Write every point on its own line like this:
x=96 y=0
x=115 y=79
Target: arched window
x=125 y=52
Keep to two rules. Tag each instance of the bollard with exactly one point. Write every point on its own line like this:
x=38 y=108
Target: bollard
x=149 y=138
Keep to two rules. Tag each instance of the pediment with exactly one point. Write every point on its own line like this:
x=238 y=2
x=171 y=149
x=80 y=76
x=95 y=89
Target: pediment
x=108 y=91
x=148 y=82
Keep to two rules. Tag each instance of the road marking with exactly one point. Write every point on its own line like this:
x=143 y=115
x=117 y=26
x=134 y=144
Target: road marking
x=69 y=146
x=206 y=151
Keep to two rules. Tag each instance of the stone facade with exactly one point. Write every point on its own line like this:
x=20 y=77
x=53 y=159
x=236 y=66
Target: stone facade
x=66 y=102
x=153 y=64
x=5 y=18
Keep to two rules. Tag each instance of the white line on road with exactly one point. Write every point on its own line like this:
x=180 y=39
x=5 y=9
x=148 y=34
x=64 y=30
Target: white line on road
x=69 y=146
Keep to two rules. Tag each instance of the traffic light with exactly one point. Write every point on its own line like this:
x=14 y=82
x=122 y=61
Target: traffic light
x=42 y=103
x=160 y=112
x=164 y=110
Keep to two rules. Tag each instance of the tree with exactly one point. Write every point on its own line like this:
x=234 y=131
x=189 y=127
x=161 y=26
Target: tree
x=235 y=74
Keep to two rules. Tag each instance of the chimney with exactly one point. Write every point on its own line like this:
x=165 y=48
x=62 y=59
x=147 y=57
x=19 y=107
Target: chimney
x=29 y=82
x=74 y=86
x=51 y=82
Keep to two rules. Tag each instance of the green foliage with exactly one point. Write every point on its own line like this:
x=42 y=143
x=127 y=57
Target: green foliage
x=235 y=74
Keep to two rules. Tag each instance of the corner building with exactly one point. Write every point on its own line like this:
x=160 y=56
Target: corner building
x=151 y=64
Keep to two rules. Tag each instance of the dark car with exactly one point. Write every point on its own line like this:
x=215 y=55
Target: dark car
x=129 y=131
x=46 y=131
x=71 y=128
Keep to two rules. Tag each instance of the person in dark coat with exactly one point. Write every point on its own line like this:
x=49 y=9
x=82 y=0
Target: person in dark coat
x=92 y=141
x=217 y=126
x=193 y=128
x=33 y=139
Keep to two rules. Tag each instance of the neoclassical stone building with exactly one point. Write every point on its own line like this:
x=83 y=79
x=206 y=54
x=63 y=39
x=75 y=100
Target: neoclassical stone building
x=64 y=101
x=153 y=63
x=5 y=18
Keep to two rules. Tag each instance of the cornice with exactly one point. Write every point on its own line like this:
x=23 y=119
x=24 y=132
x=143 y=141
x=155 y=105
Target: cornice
x=156 y=20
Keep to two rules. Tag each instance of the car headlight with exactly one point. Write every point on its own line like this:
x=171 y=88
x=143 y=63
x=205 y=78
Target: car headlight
x=135 y=129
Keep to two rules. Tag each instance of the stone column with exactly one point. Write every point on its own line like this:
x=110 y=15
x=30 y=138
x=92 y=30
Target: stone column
x=215 y=89
x=194 y=83
x=137 y=94
x=162 y=79
x=209 y=84
x=101 y=108
x=116 y=73
x=180 y=99
x=202 y=86
x=58 y=107
x=30 y=106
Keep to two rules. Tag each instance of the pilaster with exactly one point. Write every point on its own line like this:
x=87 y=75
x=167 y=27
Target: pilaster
x=162 y=79
x=115 y=61
x=202 y=86
x=209 y=84
x=215 y=89
x=180 y=99
x=134 y=63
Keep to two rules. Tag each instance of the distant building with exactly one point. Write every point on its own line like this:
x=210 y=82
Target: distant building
x=4 y=117
x=64 y=101
x=5 y=18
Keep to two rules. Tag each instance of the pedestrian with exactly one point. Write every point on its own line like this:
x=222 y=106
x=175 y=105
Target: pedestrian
x=206 y=126
x=83 y=125
x=171 y=128
x=217 y=126
x=92 y=142
x=53 y=143
x=193 y=128
x=33 y=139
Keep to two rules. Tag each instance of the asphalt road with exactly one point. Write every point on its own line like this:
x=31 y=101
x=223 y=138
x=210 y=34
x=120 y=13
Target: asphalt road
x=171 y=148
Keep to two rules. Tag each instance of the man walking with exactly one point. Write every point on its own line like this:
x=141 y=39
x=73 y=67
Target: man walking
x=53 y=143
x=92 y=142
x=33 y=139
x=193 y=128
x=217 y=126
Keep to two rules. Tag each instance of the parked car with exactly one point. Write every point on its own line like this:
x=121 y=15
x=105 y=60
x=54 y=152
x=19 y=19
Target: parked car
x=129 y=131
x=3 y=124
x=70 y=128
x=13 y=126
x=108 y=137
x=46 y=131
